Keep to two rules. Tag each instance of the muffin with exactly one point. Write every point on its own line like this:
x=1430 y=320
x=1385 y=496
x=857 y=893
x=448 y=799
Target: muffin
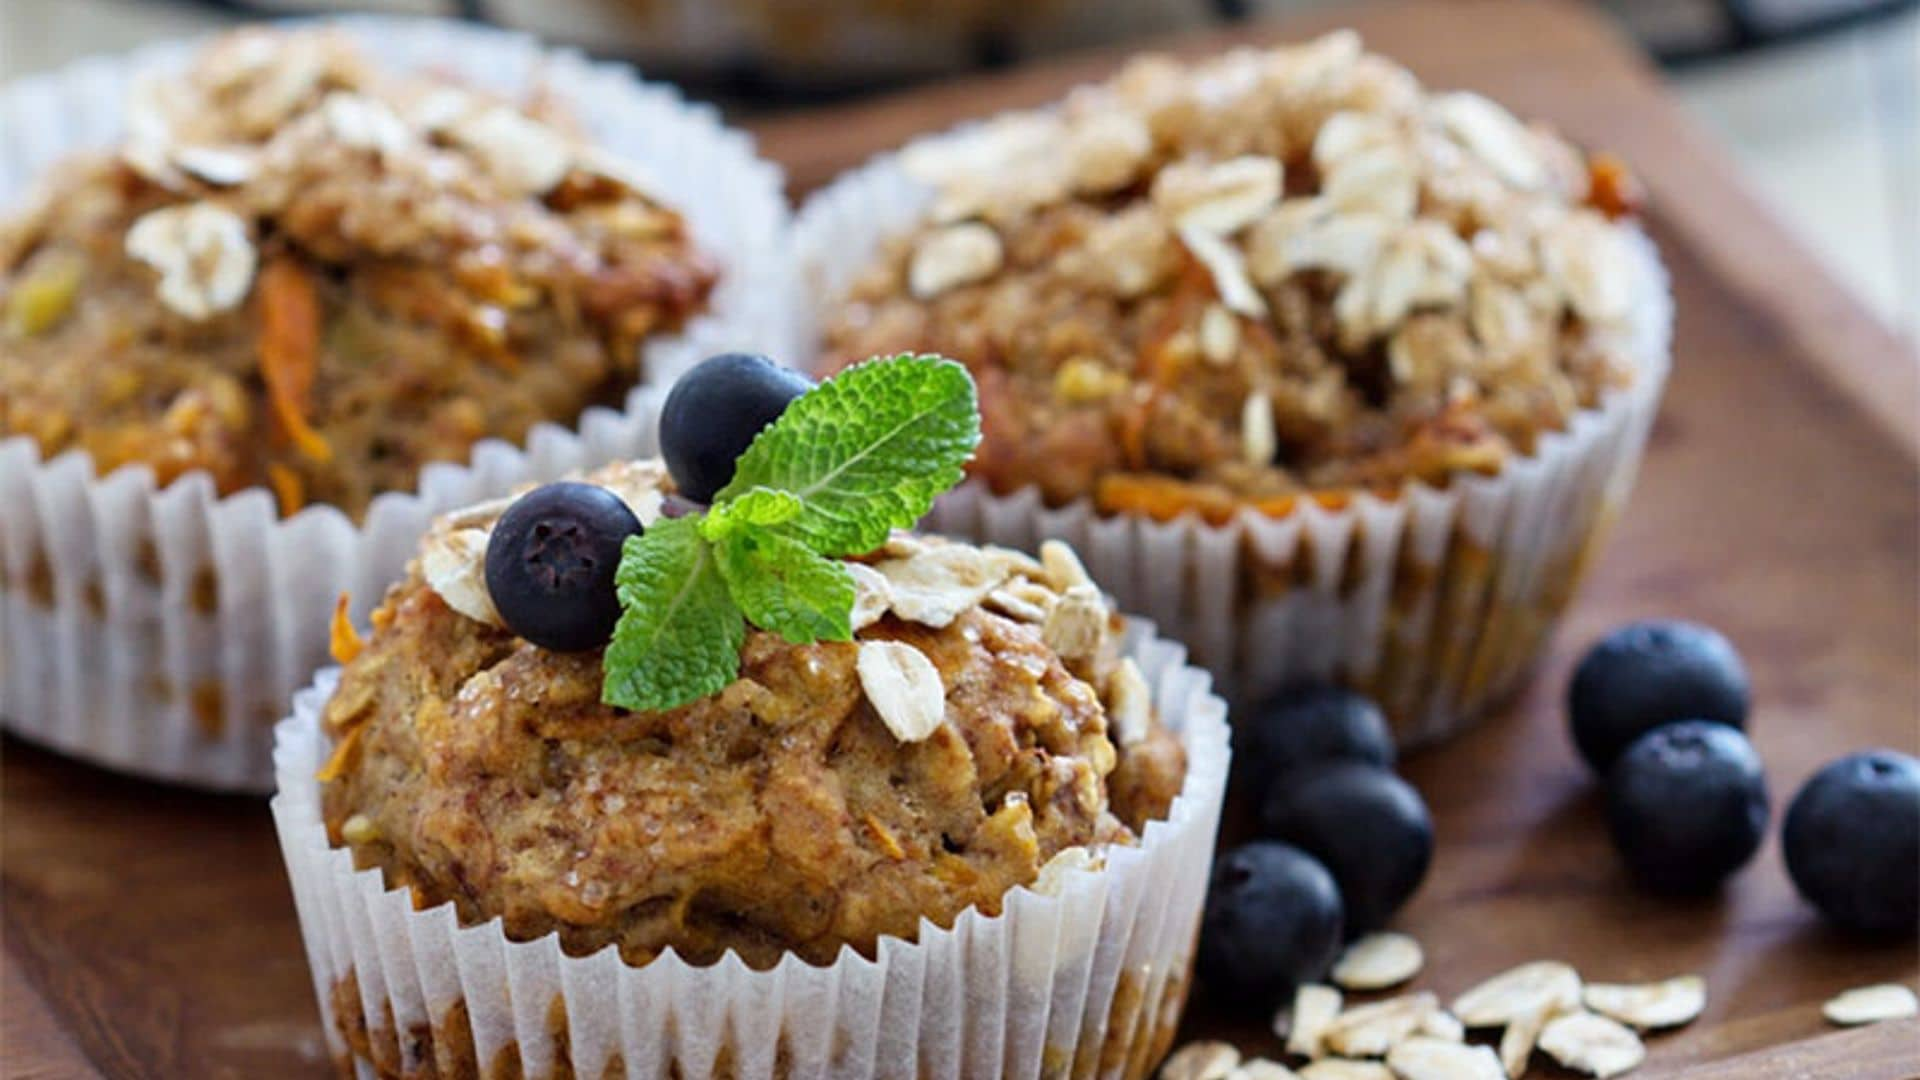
x=800 y=874
x=1360 y=369
x=307 y=275
x=303 y=273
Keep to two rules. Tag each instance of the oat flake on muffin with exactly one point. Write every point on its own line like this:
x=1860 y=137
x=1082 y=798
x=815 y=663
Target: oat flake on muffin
x=1208 y=287
x=303 y=273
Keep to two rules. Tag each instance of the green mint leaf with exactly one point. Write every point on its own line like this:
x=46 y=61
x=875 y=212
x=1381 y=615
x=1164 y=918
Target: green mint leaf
x=760 y=506
x=680 y=632
x=785 y=586
x=866 y=451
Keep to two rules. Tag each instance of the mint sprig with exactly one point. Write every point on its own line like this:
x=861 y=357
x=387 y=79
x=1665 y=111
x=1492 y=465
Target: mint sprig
x=867 y=451
x=680 y=631
x=860 y=455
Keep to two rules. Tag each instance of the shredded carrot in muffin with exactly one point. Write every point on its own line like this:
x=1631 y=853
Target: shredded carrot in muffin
x=336 y=765
x=290 y=351
x=343 y=641
x=288 y=489
x=1164 y=498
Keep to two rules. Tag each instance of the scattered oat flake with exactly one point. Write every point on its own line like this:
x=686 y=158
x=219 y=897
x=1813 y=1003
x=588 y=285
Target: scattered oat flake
x=524 y=155
x=1201 y=1061
x=1518 y=1039
x=1228 y=270
x=1218 y=197
x=1441 y=1024
x=438 y=108
x=1421 y=1057
x=1262 y=1069
x=203 y=253
x=903 y=686
x=364 y=123
x=1258 y=439
x=1314 y=1007
x=1105 y=150
x=871 y=595
x=1062 y=565
x=454 y=563
x=1077 y=625
x=935 y=584
x=1219 y=335
x=1026 y=601
x=1592 y=1044
x=1871 y=1005
x=954 y=256
x=1130 y=704
x=1543 y=985
x=1587 y=257
x=476 y=514
x=1667 y=1003
x=1493 y=134
x=1053 y=874
x=1378 y=961
x=1011 y=562
x=358 y=829
x=1342 y=1069
x=1371 y=1030
x=220 y=166
x=1383 y=180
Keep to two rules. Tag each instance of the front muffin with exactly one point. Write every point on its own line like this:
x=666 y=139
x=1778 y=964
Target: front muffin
x=709 y=769
x=805 y=807
x=302 y=273
x=1216 y=287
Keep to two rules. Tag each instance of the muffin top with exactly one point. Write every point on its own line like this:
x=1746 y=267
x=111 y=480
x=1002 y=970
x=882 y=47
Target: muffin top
x=978 y=728
x=302 y=272
x=1212 y=287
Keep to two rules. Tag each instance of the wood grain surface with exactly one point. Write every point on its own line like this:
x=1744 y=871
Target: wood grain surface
x=147 y=932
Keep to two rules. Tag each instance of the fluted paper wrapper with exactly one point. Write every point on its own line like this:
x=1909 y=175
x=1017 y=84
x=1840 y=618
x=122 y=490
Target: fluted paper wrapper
x=1086 y=982
x=160 y=631
x=1436 y=601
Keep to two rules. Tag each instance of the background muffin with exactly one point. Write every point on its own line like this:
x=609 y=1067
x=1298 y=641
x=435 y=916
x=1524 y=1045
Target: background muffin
x=793 y=822
x=467 y=237
x=1301 y=310
x=1273 y=273
x=304 y=273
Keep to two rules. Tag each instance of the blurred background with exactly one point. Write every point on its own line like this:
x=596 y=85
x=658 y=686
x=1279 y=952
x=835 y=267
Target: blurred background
x=1818 y=100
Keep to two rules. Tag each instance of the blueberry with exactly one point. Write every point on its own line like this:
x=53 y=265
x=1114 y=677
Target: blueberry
x=713 y=413
x=1852 y=841
x=1687 y=805
x=1646 y=674
x=1369 y=826
x=550 y=564
x=1309 y=725
x=1272 y=922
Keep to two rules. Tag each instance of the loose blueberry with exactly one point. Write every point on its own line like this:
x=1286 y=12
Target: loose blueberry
x=1272 y=922
x=1647 y=674
x=713 y=413
x=1852 y=842
x=1368 y=826
x=1310 y=725
x=551 y=561
x=1687 y=805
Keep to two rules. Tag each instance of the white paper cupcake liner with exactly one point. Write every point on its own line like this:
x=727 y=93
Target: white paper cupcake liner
x=1436 y=602
x=1086 y=982
x=160 y=631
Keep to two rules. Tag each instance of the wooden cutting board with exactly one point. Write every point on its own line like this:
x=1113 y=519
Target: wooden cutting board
x=150 y=932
